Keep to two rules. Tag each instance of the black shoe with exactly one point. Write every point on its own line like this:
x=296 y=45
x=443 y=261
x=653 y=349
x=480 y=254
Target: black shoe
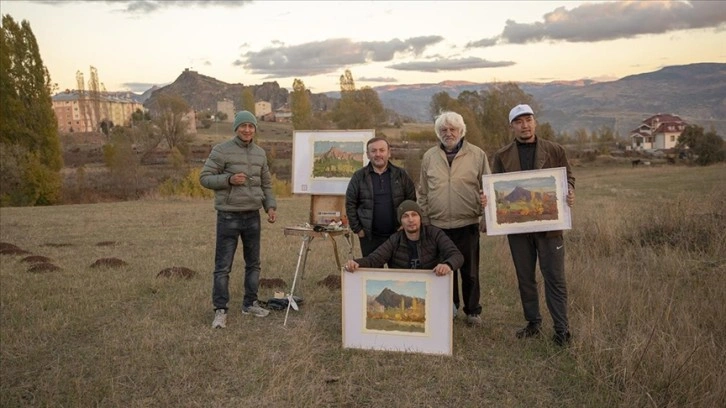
x=532 y=330
x=562 y=339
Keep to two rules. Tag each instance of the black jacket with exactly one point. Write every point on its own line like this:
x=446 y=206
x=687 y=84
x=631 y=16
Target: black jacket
x=359 y=196
x=434 y=247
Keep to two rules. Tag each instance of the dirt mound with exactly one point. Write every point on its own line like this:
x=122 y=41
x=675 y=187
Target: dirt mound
x=176 y=272
x=108 y=263
x=272 y=283
x=10 y=249
x=34 y=259
x=331 y=282
x=55 y=245
x=106 y=243
x=7 y=245
x=43 y=267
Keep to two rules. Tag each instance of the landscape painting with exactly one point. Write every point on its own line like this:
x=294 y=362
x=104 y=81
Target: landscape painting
x=526 y=201
x=323 y=161
x=334 y=159
x=405 y=310
x=396 y=305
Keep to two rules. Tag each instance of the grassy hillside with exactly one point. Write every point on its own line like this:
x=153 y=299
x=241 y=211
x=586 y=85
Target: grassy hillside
x=645 y=266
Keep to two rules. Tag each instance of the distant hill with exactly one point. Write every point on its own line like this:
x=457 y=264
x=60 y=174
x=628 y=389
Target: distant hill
x=695 y=92
x=202 y=92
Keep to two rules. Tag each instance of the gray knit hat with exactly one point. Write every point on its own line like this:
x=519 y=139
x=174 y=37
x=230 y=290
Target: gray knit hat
x=244 y=117
x=406 y=206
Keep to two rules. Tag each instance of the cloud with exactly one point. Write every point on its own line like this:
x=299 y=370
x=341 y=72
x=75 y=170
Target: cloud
x=377 y=79
x=592 y=22
x=322 y=57
x=453 y=64
x=138 y=87
x=148 y=6
x=484 y=42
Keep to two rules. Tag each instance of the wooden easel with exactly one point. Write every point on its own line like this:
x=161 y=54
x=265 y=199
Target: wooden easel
x=323 y=210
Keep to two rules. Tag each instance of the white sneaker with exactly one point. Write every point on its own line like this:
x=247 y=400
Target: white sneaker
x=255 y=310
x=220 y=319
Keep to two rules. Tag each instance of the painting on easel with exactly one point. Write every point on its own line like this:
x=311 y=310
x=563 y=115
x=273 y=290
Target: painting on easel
x=324 y=161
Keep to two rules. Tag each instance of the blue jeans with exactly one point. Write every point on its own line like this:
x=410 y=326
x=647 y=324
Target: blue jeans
x=231 y=226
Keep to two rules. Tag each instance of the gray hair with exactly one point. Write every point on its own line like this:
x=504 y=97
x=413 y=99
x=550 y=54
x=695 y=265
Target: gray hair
x=450 y=118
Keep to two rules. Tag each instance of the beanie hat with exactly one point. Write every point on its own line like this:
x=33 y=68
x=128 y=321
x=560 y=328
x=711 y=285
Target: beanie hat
x=244 y=117
x=406 y=206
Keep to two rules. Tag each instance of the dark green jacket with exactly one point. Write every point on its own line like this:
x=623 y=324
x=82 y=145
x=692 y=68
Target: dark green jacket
x=232 y=157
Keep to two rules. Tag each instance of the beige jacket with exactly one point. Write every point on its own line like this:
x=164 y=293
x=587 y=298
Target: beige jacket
x=449 y=196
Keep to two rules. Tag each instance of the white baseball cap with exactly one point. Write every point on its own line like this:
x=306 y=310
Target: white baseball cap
x=520 y=110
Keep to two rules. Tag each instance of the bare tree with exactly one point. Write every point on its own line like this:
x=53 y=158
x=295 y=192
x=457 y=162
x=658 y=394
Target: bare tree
x=170 y=116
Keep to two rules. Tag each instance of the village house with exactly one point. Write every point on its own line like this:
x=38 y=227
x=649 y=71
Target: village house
x=82 y=113
x=660 y=131
x=262 y=108
x=226 y=106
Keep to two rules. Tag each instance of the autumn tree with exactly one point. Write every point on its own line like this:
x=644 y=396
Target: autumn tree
x=357 y=109
x=302 y=113
x=705 y=147
x=30 y=152
x=496 y=102
x=170 y=113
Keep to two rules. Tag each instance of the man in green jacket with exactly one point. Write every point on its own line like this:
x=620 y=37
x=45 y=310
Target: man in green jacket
x=238 y=172
x=528 y=152
x=449 y=195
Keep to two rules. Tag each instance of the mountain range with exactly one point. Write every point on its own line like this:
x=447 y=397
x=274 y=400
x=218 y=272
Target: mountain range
x=695 y=92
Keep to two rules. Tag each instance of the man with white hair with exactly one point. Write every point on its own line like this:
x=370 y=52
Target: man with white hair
x=449 y=196
x=528 y=152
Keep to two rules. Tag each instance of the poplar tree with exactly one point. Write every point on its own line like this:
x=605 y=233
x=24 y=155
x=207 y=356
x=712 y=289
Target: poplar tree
x=30 y=151
x=302 y=113
x=248 y=100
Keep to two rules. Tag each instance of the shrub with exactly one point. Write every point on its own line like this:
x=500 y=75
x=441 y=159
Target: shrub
x=189 y=186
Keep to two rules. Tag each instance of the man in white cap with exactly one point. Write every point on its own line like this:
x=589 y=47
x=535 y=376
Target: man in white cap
x=238 y=172
x=527 y=152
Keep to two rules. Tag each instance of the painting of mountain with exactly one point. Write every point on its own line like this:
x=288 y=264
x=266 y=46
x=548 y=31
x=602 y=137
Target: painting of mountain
x=526 y=200
x=336 y=159
x=399 y=310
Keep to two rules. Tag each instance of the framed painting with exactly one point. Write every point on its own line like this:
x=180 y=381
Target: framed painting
x=526 y=201
x=407 y=310
x=323 y=161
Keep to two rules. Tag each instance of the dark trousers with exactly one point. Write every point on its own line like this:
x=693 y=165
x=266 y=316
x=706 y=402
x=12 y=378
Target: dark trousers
x=466 y=240
x=526 y=249
x=232 y=226
x=369 y=244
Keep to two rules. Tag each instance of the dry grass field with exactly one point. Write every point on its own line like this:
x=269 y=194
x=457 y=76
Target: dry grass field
x=645 y=264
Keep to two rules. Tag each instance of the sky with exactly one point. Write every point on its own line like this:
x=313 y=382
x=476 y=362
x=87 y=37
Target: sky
x=136 y=44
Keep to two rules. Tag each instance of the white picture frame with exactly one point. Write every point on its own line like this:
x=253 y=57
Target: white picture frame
x=323 y=161
x=526 y=201
x=421 y=322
